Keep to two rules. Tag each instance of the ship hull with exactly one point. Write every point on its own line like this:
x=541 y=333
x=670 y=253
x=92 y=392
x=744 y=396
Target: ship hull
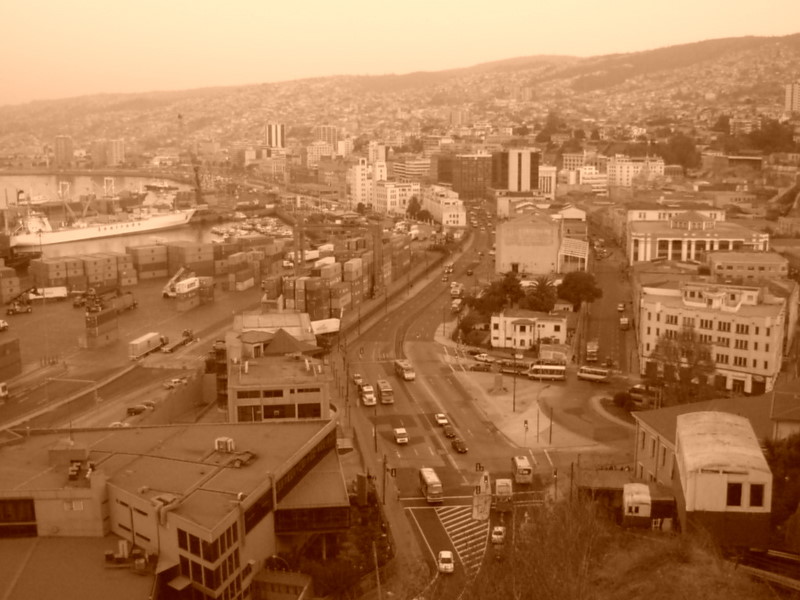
x=94 y=231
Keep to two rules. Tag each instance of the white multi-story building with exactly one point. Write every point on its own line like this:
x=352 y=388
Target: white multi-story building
x=743 y=325
x=524 y=329
x=622 y=170
x=315 y=151
x=275 y=135
x=445 y=206
x=360 y=184
x=591 y=176
x=792 y=97
x=344 y=147
x=548 y=178
x=392 y=197
x=376 y=152
x=411 y=169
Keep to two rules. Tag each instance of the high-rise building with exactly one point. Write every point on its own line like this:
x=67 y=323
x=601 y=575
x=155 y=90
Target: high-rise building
x=516 y=170
x=792 y=101
x=472 y=175
x=275 y=135
x=108 y=153
x=327 y=133
x=63 y=151
x=376 y=152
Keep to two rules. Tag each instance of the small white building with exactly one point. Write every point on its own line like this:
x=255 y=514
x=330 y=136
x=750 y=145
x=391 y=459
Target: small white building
x=524 y=329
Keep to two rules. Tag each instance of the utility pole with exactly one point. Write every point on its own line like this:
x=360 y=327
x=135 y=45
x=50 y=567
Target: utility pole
x=551 y=426
x=377 y=571
x=383 y=499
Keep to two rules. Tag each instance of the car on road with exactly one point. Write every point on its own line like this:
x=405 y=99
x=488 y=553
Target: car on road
x=445 y=562
x=498 y=534
x=357 y=379
x=448 y=430
x=621 y=307
x=484 y=358
x=481 y=367
x=445 y=278
x=136 y=410
x=469 y=271
x=400 y=435
x=118 y=424
x=441 y=419
x=3 y=325
x=459 y=445
x=368 y=395
x=474 y=351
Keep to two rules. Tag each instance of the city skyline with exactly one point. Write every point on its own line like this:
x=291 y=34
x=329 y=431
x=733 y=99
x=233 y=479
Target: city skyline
x=58 y=51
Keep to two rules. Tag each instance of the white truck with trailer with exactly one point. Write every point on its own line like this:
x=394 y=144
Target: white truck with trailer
x=146 y=344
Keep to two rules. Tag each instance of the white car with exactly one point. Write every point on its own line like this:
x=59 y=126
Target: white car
x=621 y=307
x=400 y=435
x=483 y=357
x=441 y=419
x=357 y=379
x=445 y=561
x=498 y=534
x=368 y=395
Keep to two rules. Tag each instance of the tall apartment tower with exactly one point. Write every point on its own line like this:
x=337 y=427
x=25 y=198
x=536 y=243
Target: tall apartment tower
x=63 y=151
x=327 y=133
x=516 y=170
x=792 y=102
x=275 y=135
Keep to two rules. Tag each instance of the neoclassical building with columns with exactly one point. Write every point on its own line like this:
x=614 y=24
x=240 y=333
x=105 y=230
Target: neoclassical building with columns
x=689 y=236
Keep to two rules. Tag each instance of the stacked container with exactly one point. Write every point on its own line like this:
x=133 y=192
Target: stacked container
x=150 y=262
x=100 y=270
x=102 y=328
x=48 y=272
x=197 y=257
x=10 y=358
x=9 y=284
x=318 y=298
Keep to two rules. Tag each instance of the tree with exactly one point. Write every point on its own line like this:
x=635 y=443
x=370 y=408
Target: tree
x=413 y=208
x=424 y=216
x=723 y=124
x=542 y=296
x=361 y=208
x=579 y=287
x=686 y=364
x=783 y=457
x=498 y=295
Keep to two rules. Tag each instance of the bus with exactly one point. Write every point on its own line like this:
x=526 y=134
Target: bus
x=594 y=374
x=521 y=469
x=385 y=393
x=550 y=372
x=404 y=369
x=429 y=485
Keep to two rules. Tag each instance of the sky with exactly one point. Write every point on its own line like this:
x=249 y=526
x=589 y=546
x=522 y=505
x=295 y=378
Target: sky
x=65 y=48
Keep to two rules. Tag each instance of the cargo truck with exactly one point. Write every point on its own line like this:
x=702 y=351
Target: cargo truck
x=187 y=337
x=124 y=302
x=503 y=499
x=49 y=293
x=592 y=349
x=146 y=344
x=624 y=323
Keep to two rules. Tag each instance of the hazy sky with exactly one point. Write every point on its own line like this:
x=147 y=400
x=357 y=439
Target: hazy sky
x=61 y=48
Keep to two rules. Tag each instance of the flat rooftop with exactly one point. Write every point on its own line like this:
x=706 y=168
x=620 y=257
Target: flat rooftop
x=720 y=229
x=177 y=459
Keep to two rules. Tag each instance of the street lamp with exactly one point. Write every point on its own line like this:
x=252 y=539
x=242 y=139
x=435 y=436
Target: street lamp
x=539 y=410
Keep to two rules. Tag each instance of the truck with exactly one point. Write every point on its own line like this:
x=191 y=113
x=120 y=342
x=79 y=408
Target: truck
x=124 y=302
x=592 y=349
x=187 y=337
x=18 y=308
x=169 y=290
x=146 y=344
x=624 y=323
x=503 y=499
x=49 y=293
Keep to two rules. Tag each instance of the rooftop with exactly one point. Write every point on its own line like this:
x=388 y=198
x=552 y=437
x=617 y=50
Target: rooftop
x=745 y=257
x=721 y=229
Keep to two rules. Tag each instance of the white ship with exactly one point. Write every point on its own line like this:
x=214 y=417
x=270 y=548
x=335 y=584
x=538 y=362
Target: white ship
x=35 y=229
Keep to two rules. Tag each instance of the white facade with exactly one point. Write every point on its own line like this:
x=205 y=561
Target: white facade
x=444 y=205
x=376 y=152
x=524 y=329
x=548 y=178
x=792 y=97
x=743 y=326
x=529 y=244
x=315 y=151
x=275 y=135
x=360 y=184
x=589 y=175
x=622 y=170
x=392 y=197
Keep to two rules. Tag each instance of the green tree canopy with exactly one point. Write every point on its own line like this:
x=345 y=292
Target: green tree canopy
x=579 y=287
x=413 y=208
x=542 y=296
x=499 y=295
x=686 y=364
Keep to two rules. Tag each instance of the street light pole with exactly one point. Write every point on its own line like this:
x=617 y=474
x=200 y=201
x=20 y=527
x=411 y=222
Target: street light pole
x=539 y=410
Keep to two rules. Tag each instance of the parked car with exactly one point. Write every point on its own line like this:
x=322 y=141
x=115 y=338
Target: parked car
x=482 y=367
x=445 y=561
x=357 y=379
x=484 y=358
x=441 y=419
x=459 y=445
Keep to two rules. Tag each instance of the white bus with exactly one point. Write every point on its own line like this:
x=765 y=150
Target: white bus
x=429 y=485
x=521 y=469
x=550 y=372
x=595 y=374
x=404 y=369
x=385 y=393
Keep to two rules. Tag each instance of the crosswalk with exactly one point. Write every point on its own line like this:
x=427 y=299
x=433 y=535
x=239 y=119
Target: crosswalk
x=468 y=536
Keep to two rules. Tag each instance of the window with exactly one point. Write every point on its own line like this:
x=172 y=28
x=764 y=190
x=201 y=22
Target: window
x=183 y=542
x=273 y=393
x=648 y=331
x=755 y=345
x=768 y=330
x=653 y=447
x=766 y=365
x=642 y=441
x=739 y=361
x=671 y=319
x=742 y=329
x=756 y=494
x=495 y=326
x=556 y=327
x=724 y=342
x=663 y=456
x=766 y=347
x=688 y=321
x=248 y=394
x=706 y=324
x=721 y=359
x=194 y=544
x=740 y=344
x=734 y=494
x=723 y=326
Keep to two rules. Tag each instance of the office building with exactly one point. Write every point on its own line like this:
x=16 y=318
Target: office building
x=275 y=135
x=314 y=152
x=515 y=170
x=63 y=151
x=392 y=197
x=472 y=175
x=743 y=325
x=547 y=181
x=327 y=133
x=445 y=207
x=360 y=184
x=376 y=152
x=410 y=169
x=108 y=153
x=623 y=170
x=792 y=97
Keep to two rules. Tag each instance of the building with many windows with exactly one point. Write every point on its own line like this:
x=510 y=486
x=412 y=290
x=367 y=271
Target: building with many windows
x=275 y=135
x=314 y=152
x=392 y=197
x=791 y=102
x=472 y=175
x=548 y=178
x=445 y=206
x=108 y=153
x=406 y=169
x=63 y=151
x=327 y=133
x=743 y=326
x=515 y=170
x=623 y=170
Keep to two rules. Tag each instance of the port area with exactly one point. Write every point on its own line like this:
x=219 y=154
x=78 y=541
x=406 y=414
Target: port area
x=50 y=336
